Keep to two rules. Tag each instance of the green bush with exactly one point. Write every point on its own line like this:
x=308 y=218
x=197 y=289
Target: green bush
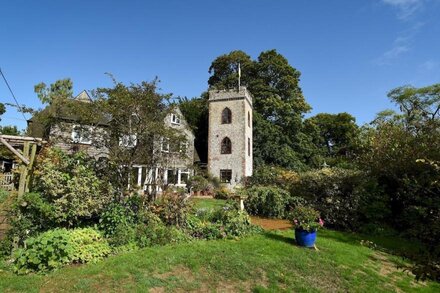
x=30 y=215
x=199 y=183
x=234 y=223
x=56 y=248
x=266 y=201
x=70 y=184
x=158 y=234
x=3 y=195
x=200 y=227
x=116 y=215
x=122 y=235
x=88 y=245
x=221 y=193
x=338 y=194
x=172 y=209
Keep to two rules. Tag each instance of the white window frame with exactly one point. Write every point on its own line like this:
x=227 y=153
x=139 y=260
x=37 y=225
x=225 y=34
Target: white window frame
x=165 y=142
x=78 y=134
x=175 y=119
x=128 y=140
x=183 y=146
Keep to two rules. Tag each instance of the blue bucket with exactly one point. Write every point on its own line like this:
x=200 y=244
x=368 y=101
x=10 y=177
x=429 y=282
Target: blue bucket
x=305 y=238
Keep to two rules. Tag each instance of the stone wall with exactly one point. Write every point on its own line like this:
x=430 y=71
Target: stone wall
x=60 y=135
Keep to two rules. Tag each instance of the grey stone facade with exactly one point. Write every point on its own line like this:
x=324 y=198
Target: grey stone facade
x=240 y=159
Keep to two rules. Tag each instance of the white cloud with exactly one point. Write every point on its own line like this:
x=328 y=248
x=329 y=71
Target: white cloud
x=429 y=65
x=405 y=8
x=401 y=45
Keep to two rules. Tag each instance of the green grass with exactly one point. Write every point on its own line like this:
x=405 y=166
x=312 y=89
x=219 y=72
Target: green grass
x=210 y=203
x=262 y=263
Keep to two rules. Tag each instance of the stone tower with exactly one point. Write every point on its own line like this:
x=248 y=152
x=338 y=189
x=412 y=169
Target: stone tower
x=230 y=155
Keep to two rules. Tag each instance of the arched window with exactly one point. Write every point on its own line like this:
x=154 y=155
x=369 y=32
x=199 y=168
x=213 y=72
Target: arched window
x=249 y=119
x=226 y=147
x=226 y=116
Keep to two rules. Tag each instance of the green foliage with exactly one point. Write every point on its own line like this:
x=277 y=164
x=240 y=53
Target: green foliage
x=199 y=183
x=172 y=209
x=338 y=194
x=2 y=109
x=56 y=248
x=335 y=134
x=221 y=222
x=196 y=114
x=123 y=234
x=3 y=195
x=156 y=233
x=235 y=223
x=9 y=130
x=222 y=193
x=58 y=91
x=199 y=226
x=30 y=215
x=116 y=216
x=138 y=113
x=88 y=245
x=266 y=201
x=305 y=218
x=70 y=185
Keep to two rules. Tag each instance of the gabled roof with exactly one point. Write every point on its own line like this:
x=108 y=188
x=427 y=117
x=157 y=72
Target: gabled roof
x=83 y=97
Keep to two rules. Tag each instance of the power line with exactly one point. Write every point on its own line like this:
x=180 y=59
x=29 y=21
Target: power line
x=12 y=93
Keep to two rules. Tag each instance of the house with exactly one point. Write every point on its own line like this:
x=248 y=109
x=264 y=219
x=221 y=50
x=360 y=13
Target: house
x=66 y=129
x=230 y=140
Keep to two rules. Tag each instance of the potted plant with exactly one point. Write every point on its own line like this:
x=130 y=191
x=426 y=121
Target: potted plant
x=306 y=222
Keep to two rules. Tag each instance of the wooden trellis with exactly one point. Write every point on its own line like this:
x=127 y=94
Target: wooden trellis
x=26 y=156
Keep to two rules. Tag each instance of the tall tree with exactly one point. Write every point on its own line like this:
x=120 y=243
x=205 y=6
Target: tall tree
x=336 y=132
x=59 y=90
x=401 y=150
x=196 y=114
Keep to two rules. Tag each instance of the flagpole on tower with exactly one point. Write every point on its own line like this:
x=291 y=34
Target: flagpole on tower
x=239 y=75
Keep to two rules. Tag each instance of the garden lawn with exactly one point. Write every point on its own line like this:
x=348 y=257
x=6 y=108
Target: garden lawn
x=208 y=203
x=261 y=263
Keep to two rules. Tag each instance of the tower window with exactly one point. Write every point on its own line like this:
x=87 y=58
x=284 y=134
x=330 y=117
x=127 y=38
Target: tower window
x=225 y=176
x=226 y=146
x=249 y=119
x=175 y=119
x=226 y=116
x=249 y=146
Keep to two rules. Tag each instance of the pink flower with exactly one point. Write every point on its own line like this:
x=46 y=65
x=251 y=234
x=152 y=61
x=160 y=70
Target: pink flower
x=321 y=222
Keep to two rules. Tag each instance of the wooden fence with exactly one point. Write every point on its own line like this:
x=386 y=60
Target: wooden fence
x=7 y=181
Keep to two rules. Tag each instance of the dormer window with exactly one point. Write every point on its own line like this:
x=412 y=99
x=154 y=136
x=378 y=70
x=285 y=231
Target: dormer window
x=175 y=119
x=226 y=116
x=81 y=134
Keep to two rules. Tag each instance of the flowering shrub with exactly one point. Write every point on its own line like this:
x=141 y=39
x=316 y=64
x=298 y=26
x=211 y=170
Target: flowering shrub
x=306 y=218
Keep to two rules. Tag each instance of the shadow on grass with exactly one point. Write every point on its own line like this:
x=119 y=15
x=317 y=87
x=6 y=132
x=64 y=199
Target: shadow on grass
x=279 y=237
x=389 y=244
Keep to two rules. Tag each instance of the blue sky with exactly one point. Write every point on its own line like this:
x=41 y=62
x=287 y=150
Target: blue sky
x=350 y=53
